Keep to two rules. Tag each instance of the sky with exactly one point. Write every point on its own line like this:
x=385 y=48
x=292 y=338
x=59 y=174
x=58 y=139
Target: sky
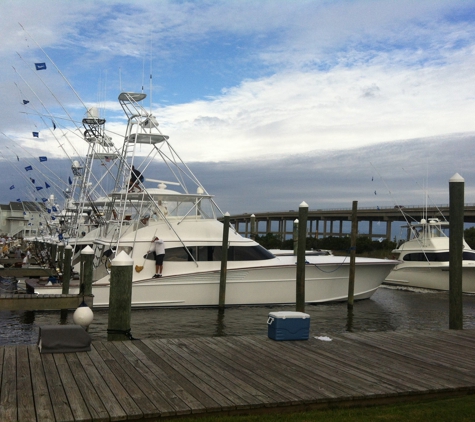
x=270 y=103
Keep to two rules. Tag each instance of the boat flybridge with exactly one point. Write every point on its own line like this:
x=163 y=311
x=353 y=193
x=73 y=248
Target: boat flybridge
x=170 y=203
x=424 y=258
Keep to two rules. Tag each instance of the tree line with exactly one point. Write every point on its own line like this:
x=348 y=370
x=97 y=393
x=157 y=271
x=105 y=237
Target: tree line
x=341 y=244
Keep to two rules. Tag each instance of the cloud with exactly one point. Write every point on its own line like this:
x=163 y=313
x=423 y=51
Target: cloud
x=238 y=79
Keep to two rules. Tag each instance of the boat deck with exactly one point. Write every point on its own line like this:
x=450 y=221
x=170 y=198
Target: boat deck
x=154 y=378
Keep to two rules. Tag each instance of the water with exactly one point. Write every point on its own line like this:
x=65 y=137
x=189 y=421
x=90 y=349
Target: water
x=389 y=309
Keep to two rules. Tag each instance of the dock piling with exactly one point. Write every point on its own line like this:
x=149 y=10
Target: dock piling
x=120 y=298
x=456 y=194
x=354 y=230
x=224 y=262
x=302 y=233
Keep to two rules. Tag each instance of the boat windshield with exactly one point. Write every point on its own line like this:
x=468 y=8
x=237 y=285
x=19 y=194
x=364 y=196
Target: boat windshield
x=214 y=253
x=435 y=256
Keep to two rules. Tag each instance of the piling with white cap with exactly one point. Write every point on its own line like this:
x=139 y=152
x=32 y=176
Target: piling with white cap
x=456 y=210
x=120 y=298
x=302 y=233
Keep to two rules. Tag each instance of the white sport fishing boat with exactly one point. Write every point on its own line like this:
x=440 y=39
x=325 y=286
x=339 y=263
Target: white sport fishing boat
x=186 y=218
x=424 y=259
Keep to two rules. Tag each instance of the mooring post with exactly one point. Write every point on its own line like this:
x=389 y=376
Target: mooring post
x=54 y=249
x=60 y=257
x=302 y=233
x=456 y=209
x=296 y=235
x=68 y=252
x=253 y=227
x=87 y=258
x=354 y=230
x=120 y=298
x=224 y=262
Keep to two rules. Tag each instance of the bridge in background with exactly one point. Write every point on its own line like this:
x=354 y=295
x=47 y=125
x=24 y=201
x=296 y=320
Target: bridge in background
x=375 y=223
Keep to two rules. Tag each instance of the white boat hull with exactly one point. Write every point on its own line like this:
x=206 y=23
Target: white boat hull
x=434 y=276
x=248 y=286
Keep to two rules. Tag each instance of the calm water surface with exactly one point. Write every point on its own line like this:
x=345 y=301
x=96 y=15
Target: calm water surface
x=389 y=309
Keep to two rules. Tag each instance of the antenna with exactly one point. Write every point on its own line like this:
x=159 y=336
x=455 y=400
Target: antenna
x=151 y=81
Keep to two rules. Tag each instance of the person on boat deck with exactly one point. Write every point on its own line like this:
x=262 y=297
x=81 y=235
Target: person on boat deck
x=159 y=246
x=25 y=263
x=135 y=178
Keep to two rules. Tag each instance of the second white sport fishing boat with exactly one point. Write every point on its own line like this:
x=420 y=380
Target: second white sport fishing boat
x=424 y=259
x=186 y=218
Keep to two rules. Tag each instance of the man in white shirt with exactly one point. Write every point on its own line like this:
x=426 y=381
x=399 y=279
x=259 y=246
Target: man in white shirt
x=159 y=256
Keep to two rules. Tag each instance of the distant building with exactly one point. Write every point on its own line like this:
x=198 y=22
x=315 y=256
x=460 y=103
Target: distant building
x=22 y=219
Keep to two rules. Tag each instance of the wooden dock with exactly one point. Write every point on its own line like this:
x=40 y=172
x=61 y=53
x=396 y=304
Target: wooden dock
x=42 y=302
x=156 y=378
x=27 y=272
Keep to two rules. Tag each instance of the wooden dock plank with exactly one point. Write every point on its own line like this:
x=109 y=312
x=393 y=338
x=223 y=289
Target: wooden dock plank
x=73 y=394
x=197 y=386
x=392 y=366
x=26 y=404
x=390 y=371
x=120 y=393
x=154 y=378
x=326 y=372
x=128 y=379
x=59 y=401
x=294 y=391
x=174 y=393
x=265 y=389
x=2 y=353
x=32 y=302
x=324 y=384
x=253 y=365
x=345 y=368
x=253 y=396
x=91 y=397
x=198 y=401
x=299 y=382
x=452 y=338
x=414 y=351
x=233 y=391
x=141 y=376
x=40 y=393
x=107 y=397
x=8 y=394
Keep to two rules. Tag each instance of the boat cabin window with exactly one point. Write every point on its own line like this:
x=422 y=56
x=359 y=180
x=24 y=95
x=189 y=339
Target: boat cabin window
x=435 y=257
x=214 y=253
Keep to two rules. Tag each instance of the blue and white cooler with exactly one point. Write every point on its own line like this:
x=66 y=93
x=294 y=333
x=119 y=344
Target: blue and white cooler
x=284 y=325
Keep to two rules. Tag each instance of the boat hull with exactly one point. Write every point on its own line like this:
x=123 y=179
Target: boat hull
x=434 y=277
x=247 y=286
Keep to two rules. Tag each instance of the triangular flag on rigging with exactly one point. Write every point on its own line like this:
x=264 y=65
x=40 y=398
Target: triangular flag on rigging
x=46 y=185
x=12 y=187
x=25 y=102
